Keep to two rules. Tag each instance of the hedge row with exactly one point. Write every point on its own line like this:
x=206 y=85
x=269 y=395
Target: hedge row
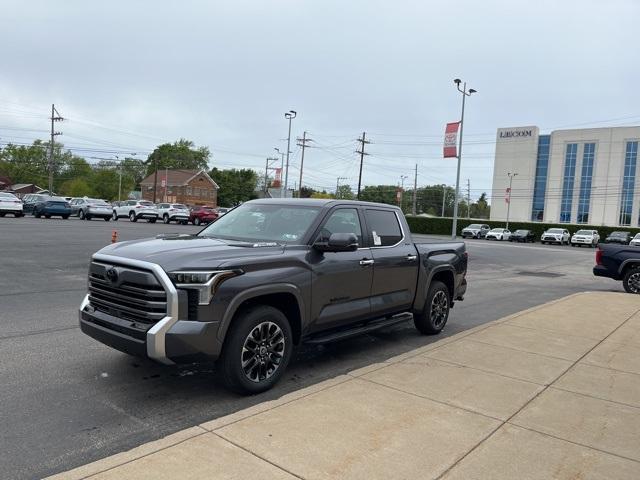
x=442 y=226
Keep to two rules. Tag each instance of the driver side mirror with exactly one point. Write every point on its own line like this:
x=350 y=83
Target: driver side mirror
x=338 y=242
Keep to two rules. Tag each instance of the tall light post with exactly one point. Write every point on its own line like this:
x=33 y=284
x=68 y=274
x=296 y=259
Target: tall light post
x=120 y=175
x=290 y=115
x=511 y=175
x=465 y=93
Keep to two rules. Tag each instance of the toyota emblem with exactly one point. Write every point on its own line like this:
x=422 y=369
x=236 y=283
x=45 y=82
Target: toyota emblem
x=112 y=274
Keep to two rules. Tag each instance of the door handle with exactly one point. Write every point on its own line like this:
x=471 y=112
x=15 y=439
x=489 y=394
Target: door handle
x=365 y=262
x=412 y=258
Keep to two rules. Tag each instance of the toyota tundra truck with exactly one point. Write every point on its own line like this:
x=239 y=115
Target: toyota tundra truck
x=267 y=276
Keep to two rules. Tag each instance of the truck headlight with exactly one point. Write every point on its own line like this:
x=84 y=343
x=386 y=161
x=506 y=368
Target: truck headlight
x=204 y=282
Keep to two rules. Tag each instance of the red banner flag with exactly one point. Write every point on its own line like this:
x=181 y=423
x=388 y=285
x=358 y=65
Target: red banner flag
x=451 y=140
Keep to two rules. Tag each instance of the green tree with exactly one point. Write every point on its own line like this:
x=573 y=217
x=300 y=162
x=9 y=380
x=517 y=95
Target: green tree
x=105 y=181
x=236 y=186
x=182 y=154
x=306 y=192
x=379 y=193
x=78 y=187
x=322 y=194
x=481 y=208
x=345 y=193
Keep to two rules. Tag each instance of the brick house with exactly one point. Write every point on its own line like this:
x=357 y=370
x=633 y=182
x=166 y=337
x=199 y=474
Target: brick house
x=191 y=187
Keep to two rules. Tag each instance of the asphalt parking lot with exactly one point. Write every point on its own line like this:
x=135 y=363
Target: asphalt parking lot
x=68 y=400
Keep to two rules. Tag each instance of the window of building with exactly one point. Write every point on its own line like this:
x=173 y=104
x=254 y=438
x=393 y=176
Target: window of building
x=628 y=181
x=584 y=198
x=568 y=181
x=384 y=227
x=540 y=183
x=189 y=191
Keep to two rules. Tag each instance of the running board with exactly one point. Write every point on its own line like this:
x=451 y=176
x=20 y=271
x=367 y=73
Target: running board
x=360 y=329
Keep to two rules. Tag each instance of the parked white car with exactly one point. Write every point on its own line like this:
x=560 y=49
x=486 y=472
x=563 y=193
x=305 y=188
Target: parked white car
x=560 y=236
x=9 y=203
x=498 y=234
x=585 y=237
x=475 y=230
x=635 y=241
x=173 y=212
x=136 y=210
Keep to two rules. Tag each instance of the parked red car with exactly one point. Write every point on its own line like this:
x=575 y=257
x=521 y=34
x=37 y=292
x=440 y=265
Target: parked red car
x=202 y=214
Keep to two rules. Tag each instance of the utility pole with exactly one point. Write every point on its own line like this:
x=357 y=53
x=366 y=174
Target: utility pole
x=119 y=176
x=465 y=94
x=415 y=191
x=511 y=175
x=363 y=141
x=468 y=198
x=303 y=143
x=268 y=167
x=166 y=183
x=55 y=117
x=401 y=193
x=290 y=115
x=338 y=184
x=444 y=196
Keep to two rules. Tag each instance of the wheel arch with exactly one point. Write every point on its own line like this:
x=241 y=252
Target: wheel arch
x=284 y=297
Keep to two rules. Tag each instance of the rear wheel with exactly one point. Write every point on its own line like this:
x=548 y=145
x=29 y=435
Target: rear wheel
x=81 y=214
x=197 y=221
x=436 y=310
x=631 y=280
x=114 y=215
x=132 y=217
x=257 y=350
x=165 y=218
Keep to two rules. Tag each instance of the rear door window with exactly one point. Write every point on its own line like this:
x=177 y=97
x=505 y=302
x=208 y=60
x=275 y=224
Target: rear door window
x=384 y=228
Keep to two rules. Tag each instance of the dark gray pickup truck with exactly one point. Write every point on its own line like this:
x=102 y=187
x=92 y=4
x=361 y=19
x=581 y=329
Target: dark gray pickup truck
x=265 y=277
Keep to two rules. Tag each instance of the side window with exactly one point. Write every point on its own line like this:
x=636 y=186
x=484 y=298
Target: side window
x=343 y=220
x=384 y=227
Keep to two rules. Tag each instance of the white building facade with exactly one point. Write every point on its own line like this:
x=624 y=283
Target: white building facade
x=587 y=176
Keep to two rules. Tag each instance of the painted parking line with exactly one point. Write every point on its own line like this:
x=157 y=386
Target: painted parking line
x=546 y=249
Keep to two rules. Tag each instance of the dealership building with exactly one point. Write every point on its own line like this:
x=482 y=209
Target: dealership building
x=586 y=176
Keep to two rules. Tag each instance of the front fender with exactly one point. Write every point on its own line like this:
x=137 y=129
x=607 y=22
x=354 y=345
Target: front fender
x=255 y=292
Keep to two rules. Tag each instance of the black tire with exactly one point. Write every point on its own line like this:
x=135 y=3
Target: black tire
x=631 y=280
x=245 y=331
x=152 y=220
x=81 y=215
x=2 y=214
x=18 y=215
x=47 y=215
x=436 y=310
x=106 y=219
x=88 y=217
x=197 y=222
x=165 y=218
x=65 y=217
x=184 y=222
x=114 y=216
x=132 y=217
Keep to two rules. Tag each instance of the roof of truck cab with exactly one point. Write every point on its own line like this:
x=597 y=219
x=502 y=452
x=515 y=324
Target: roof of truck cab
x=318 y=202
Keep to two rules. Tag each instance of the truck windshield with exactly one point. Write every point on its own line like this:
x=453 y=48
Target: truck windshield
x=264 y=223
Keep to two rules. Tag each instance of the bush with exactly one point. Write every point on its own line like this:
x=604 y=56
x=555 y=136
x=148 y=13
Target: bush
x=442 y=226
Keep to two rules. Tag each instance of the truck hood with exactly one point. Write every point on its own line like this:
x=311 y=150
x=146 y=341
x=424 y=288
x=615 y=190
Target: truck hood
x=182 y=252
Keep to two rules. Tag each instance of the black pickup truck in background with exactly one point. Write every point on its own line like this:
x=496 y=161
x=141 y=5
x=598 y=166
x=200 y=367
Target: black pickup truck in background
x=619 y=262
x=265 y=277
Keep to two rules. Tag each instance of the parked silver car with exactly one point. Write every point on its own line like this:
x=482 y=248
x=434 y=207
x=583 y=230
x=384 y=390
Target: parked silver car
x=88 y=208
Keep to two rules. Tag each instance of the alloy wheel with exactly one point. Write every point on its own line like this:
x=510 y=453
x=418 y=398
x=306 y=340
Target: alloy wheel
x=634 y=282
x=439 y=308
x=262 y=351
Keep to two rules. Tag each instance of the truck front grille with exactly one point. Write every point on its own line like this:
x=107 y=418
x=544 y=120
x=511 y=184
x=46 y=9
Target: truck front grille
x=129 y=293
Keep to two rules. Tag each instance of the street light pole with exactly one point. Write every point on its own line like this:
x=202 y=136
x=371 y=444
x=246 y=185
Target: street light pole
x=290 y=115
x=465 y=94
x=511 y=175
x=120 y=175
x=401 y=196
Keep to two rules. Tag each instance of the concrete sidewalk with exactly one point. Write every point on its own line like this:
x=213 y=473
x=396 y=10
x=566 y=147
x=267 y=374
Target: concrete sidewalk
x=551 y=392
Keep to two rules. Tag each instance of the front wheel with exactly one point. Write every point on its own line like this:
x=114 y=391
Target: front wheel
x=81 y=214
x=114 y=215
x=257 y=350
x=197 y=221
x=132 y=217
x=436 y=310
x=165 y=218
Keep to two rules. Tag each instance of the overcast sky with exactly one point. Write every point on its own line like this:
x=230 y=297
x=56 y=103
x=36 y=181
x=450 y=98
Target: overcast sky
x=128 y=75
